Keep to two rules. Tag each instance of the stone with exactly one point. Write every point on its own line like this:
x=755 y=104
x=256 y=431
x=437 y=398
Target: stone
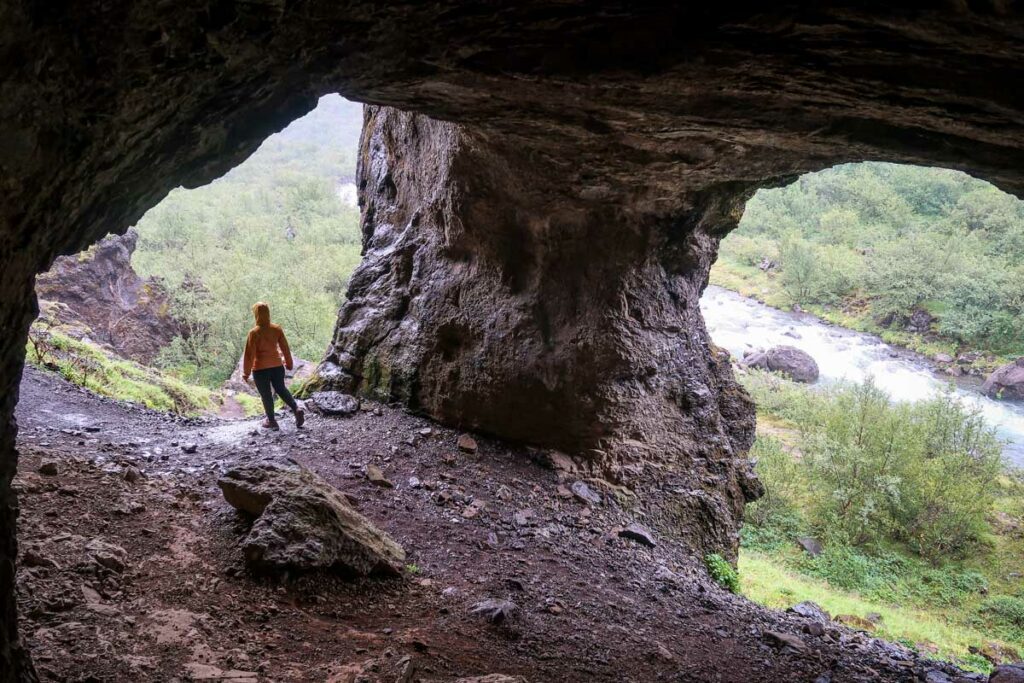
x=198 y=671
x=466 y=443
x=49 y=468
x=1008 y=673
x=492 y=678
x=494 y=611
x=131 y=474
x=937 y=676
x=108 y=555
x=98 y=295
x=639 y=533
x=304 y=523
x=811 y=546
x=33 y=557
x=810 y=610
x=561 y=462
x=784 y=640
x=333 y=403
x=790 y=361
x=376 y=476
x=473 y=509
x=1006 y=382
x=189 y=447
x=814 y=628
x=586 y=494
x=943 y=358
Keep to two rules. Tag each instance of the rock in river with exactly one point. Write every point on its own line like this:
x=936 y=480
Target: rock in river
x=1006 y=382
x=302 y=522
x=788 y=360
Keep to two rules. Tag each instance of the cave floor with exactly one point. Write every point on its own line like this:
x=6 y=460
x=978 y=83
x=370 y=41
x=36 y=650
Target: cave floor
x=141 y=579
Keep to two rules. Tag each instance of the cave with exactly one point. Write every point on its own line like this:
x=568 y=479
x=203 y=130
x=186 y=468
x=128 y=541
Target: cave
x=544 y=186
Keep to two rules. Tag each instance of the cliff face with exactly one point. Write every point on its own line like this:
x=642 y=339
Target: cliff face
x=544 y=264
x=101 y=291
x=488 y=300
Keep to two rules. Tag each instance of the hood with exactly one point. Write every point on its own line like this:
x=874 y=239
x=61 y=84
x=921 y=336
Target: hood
x=261 y=312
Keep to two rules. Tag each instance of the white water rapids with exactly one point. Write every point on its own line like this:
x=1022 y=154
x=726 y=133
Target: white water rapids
x=738 y=324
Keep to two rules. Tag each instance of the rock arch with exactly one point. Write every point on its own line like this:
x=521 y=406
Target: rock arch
x=591 y=158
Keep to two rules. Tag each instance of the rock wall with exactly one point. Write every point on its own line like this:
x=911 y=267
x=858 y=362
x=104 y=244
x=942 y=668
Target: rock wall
x=492 y=297
x=646 y=122
x=17 y=311
x=102 y=292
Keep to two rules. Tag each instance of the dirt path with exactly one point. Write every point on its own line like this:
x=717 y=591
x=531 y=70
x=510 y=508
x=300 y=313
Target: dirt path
x=139 y=578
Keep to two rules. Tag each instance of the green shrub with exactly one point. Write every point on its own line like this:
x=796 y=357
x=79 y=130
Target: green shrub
x=722 y=573
x=871 y=471
x=1006 y=614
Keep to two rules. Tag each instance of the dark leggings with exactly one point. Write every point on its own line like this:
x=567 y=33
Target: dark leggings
x=269 y=380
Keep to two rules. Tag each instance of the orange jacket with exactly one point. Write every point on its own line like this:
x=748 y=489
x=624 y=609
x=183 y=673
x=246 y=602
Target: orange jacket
x=266 y=347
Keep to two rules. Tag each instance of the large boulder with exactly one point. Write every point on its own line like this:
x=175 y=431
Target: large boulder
x=790 y=361
x=1006 y=382
x=304 y=523
x=333 y=403
x=1008 y=673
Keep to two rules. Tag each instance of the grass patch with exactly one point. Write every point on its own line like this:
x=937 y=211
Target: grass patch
x=89 y=366
x=768 y=581
x=919 y=519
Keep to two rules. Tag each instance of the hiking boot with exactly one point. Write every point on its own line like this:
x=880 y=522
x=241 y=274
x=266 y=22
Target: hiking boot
x=271 y=424
x=300 y=417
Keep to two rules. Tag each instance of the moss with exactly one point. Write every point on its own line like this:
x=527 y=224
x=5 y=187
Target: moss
x=90 y=366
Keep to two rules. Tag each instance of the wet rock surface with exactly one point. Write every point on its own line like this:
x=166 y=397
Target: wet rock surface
x=520 y=328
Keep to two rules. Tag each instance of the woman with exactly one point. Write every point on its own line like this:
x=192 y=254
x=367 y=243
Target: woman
x=266 y=356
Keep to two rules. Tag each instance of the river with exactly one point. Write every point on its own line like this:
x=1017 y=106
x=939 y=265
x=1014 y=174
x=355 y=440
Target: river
x=739 y=324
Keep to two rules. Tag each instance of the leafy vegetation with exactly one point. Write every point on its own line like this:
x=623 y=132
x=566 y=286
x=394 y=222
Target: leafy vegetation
x=88 y=365
x=274 y=229
x=722 y=573
x=881 y=242
x=918 y=517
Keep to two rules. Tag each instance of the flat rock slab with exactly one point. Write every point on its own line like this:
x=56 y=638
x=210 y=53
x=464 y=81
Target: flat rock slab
x=333 y=403
x=304 y=523
x=781 y=639
x=638 y=533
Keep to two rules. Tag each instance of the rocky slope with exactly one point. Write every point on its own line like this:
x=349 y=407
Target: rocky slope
x=518 y=561
x=102 y=298
x=621 y=133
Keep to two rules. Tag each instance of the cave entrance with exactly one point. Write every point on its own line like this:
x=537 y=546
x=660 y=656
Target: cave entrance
x=890 y=301
x=159 y=316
